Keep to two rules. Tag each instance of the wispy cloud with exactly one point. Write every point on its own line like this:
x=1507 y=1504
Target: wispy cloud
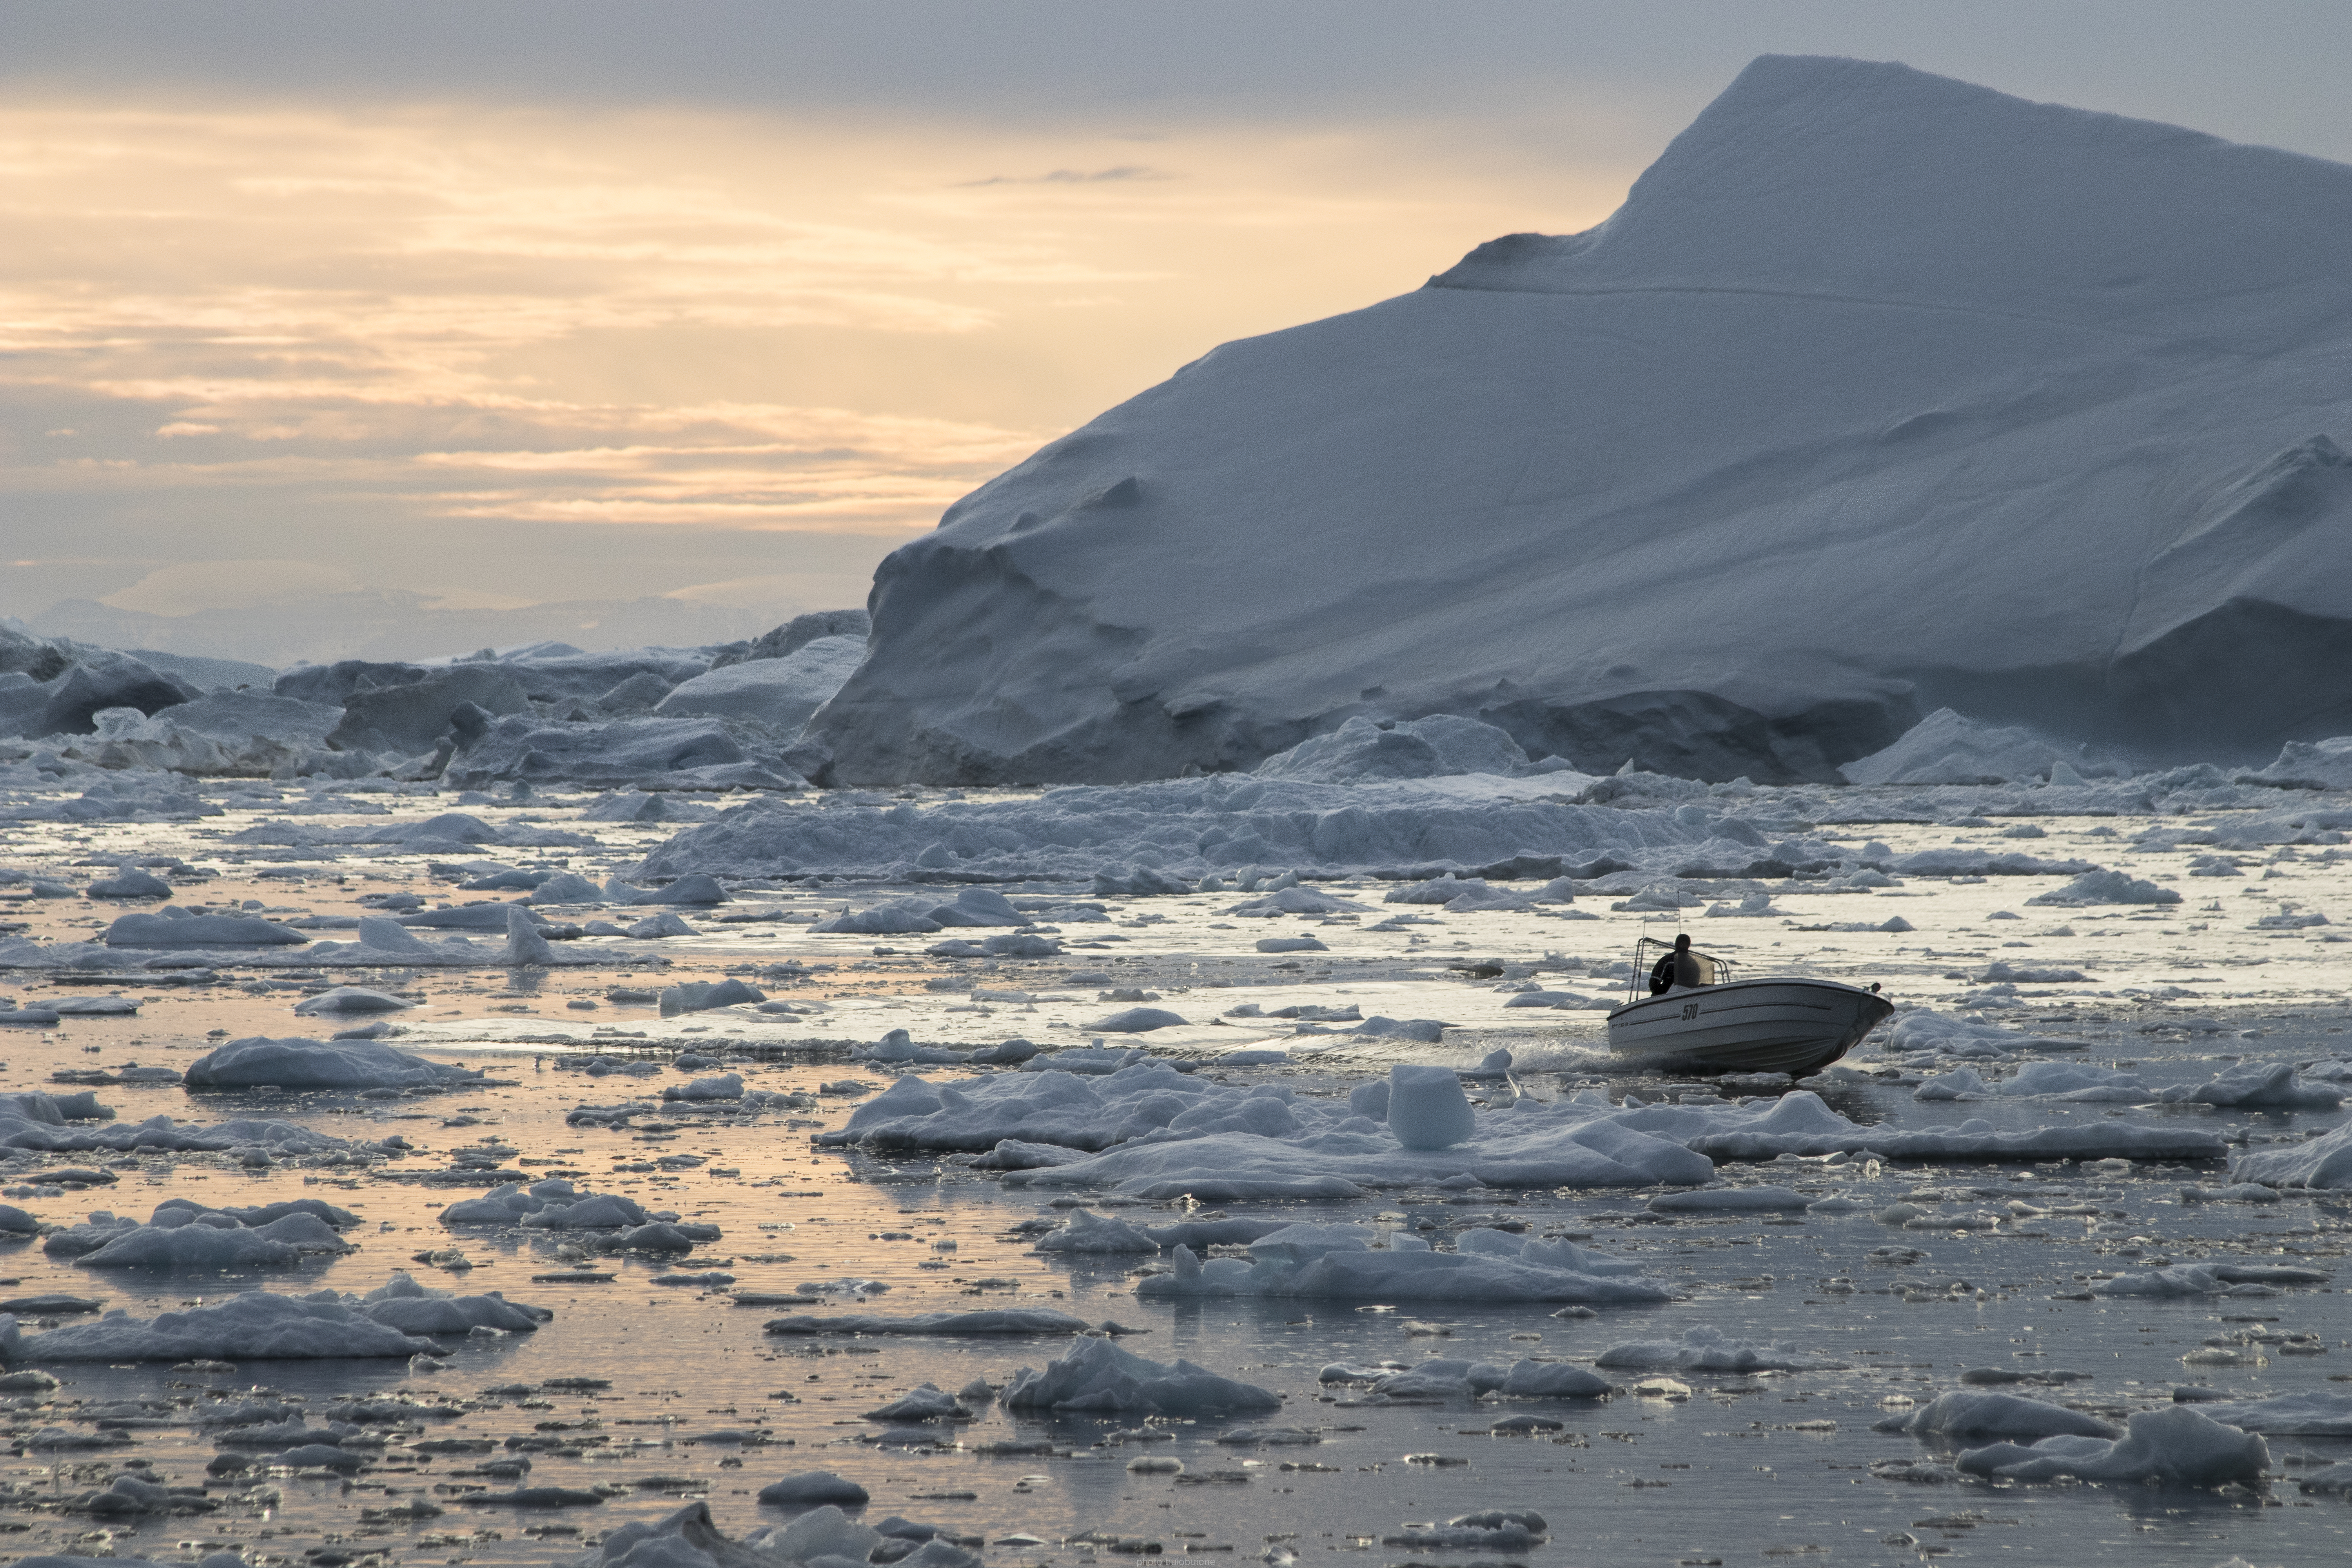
x=1120 y=174
x=479 y=317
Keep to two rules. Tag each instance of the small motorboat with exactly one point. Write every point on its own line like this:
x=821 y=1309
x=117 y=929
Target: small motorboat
x=1775 y=1023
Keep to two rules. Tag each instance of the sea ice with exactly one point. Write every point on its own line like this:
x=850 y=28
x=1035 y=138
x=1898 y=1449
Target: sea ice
x=1096 y=1376
x=2323 y=1162
x=1711 y=1350
x=255 y=1326
x=2179 y=1446
x=1337 y=1261
x=297 y=1062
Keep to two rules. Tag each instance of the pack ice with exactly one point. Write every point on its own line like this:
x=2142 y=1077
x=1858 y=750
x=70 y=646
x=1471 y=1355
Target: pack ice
x=1860 y=334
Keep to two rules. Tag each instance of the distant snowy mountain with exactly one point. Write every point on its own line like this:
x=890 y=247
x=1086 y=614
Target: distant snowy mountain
x=394 y=622
x=1882 y=393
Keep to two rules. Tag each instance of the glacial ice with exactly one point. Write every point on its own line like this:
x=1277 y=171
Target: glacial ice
x=2179 y=1446
x=1096 y=1377
x=1711 y=1350
x=254 y=1326
x=1966 y=1412
x=297 y=1062
x=1942 y=319
x=1340 y=1262
x=2322 y=1162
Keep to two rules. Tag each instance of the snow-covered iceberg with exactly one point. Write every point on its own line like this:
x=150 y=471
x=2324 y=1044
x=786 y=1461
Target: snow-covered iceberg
x=1350 y=1262
x=1096 y=1377
x=255 y=1326
x=297 y=1062
x=1861 y=334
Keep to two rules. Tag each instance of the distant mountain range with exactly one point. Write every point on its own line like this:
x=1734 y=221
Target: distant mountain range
x=396 y=624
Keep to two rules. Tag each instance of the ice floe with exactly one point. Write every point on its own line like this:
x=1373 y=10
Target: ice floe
x=2179 y=1446
x=1095 y=1376
x=297 y=1062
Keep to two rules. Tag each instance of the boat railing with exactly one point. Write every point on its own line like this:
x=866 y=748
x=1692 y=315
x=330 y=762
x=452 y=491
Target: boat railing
x=1712 y=970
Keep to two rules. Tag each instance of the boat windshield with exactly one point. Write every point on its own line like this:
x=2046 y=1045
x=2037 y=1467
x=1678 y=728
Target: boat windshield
x=1712 y=970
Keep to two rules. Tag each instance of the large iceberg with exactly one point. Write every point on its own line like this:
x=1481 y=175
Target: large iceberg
x=1677 y=488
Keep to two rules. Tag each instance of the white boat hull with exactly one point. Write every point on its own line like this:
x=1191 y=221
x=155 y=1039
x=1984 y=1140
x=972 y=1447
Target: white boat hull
x=1766 y=1025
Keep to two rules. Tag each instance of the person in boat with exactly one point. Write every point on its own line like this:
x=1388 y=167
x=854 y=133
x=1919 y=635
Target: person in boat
x=1678 y=968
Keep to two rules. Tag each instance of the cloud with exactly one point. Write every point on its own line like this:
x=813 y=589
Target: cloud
x=1124 y=171
x=482 y=322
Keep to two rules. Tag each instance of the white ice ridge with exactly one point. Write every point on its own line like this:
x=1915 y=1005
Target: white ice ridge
x=1936 y=290
x=254 y=1326
x=1353 y=1262
x=2323 y=1162
x=2179 y=1446
x=47 y=1122
x=297 y=1062
x=824 y=1537
x=183 y=1234
x=1147 y=1131
x=1711 y=1350
x=1195 y=827
x=1096 y=1377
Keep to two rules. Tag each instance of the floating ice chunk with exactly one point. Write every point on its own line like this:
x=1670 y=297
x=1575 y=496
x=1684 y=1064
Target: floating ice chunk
x=180 y=928
x=1705 y=1348
x=389 y=936
x=1800 y=1123
x=1426 y=1107
x=351 y=999
x=702 y=996
x=666 y=924
x=2270 y=1086
x=1086 y=1232
x=566 y=887
x=2306 y=1414
x=885 y=919
x=2239 y=1193
x=1291 y=900
x=1290 y=945
x=212 y=1241
x=130 y=882
x=1705 y=1199
x=401 y=1304
x=1552 y=1380
x=112 y=1007
x=2311 y=764
x=1096 y=1376
x=726 y=1086
x=2103 y=886
x=1960 y=1083
x=927 y=1402
x=1923 y=1029
x=255 y=1326
x=780 y=692
x=1361 y=749
x=1338 y=1265
x=2205 y=1279
x=1963 y=1413
x=695 y=888
x=1946 y=748
x=1442 y=1377
x=810 y=1487
x=2178 y=1446
x=551 y=1204
x=1136 y=1021
x=2324 y=1162
x=1003 y=1320
x=297 y=1062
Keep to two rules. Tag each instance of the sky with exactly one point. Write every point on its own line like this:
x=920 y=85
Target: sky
x=511 y=301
